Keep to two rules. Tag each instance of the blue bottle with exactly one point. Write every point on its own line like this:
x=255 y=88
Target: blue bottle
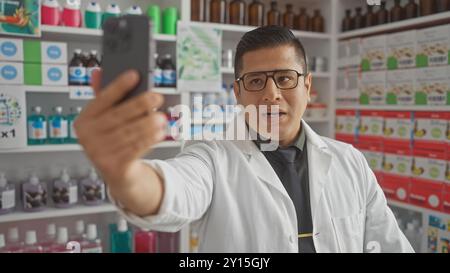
x=58 y=128
x=121 y=239
x=37 y=127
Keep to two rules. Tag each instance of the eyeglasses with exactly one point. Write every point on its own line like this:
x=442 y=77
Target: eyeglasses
x=257 y=81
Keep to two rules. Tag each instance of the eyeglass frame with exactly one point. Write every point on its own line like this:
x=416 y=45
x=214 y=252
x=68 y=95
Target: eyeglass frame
x=239 y=79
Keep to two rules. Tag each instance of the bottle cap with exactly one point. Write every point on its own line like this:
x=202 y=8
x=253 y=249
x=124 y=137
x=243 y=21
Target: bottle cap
x=72 y=4
x=122 y=225
x=3 y=180
x=134 y=10
x=91 y=232
x=77 y=51
x=37 y=109
x=34 y=180
x=13 y=234
x=30 y=237
x=65 y=176
x=93 y=175
x=63 y=236
x=58 y=109
x=93 y=7
x=51 y=229
x=51 y=3
x=113 y=9
x=94 y=52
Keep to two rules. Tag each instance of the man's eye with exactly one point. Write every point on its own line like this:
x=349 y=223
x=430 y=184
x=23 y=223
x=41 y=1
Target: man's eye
x=283 y=79
x=255 y=81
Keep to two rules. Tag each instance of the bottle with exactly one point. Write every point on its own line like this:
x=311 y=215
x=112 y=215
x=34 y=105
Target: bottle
x=71 y=15
x=50 y=13
x=92 y=189
x=397 y=12
x=58 y=129
x=134 y=10
x=65 y=191
x=92 y=244
x=121 y=238
x=92 y=64
x=382 y=14
x=217 y=11
x=427 y=7
x=93 y=16
x=358 y=19
x=145 y=241
x=74 y=113
x=31 y=245
x=79 y=235
x=318 y=24
x=157 y=73
x=193 y=242
x=34 y=194
x=167 y=242
x=7 y=195
x=411 y=10
x=77 y=69
x=288 y=17
x=3 y=248
x=112 y=10
x=171 y=133
x=14 y=245
x=256 y=13
x=37 y=127
x=198 y=10
x=62 y=239
x=347 y=23
x=237 y=12
x=302 y=20
x=169 y=75
x=273 y=15
x=371 y=18
x=50 y=239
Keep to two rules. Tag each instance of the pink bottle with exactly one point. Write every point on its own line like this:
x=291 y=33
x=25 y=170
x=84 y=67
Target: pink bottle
x=51 y=13
x=50 y=239
x=79 y=235
x=71 y=16
x=14 y=245
x=92 y=244
x=145 y=241
x=168 y=242
x=61 y=241
x=31 y=245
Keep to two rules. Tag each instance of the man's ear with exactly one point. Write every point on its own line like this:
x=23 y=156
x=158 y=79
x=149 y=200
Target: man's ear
x=308 y=85
x=236 y=89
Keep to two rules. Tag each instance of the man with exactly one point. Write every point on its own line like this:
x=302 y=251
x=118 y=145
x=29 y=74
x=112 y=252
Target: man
x=312 y=194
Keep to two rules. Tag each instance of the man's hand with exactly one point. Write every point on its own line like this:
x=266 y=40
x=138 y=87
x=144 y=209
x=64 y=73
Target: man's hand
x=115 y=136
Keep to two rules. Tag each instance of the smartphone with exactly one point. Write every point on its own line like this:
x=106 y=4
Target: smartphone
x=128 y=44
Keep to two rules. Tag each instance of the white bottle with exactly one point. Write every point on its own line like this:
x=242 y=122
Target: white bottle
x=65 y=191
x=61 y=241
x=7 y=195
x=51 y=237
x=92 y=244
x=31 y=245
x=14 y=245
x=2 y=244
x=79 y=235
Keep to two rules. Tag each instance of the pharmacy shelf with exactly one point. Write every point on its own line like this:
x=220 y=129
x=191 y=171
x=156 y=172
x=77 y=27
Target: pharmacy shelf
x=55 y=213
x=416 y=208
x=166 y=91
x=46 y=88
x=435 y=19
x=243 y=29
x=396 y=107
x=74 y=147
x=74 y=34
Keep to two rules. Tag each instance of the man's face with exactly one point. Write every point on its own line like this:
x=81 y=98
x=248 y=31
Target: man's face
x=292 y=102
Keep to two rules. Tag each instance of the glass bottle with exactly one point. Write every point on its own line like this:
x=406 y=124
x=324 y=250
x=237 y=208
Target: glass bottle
x=397 y=12
x=58 y=128
x=217 y=11
x=318 y=24
x=358 y=19
x=371 y=19
x=288 y=17
x=302 y=20
x=427 y=7
x=37 y=127
x=273 y=15
x=198 y=10
x=411 y=10
x=256 y=13
x=237 y=12
x=347 y=23
x=382 y=14
x=442 y=5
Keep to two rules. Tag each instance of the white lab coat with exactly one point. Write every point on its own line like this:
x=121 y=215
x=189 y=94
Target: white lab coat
x=238 y=204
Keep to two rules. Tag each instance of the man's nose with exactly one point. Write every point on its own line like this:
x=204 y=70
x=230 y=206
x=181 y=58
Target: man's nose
x=271 y=92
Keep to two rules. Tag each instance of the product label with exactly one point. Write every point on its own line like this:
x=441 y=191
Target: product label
x=346 y=125
x=58 y=128
x=8 y=49
x=398 y=128
x=397 y=164
x=401 y=48
x=373 y=88
x=37 y=129
x=77 y=75
x=432 y=86
x=374 y=53
x=371 y=126
x=92 y=250
x=430 y=129
x=400 y=87
x=158 y=77
x=8 y=199
x=54 y=74
x=169 y=77
x=433 y=46
x=429 y=168
x=73 y=194
x=54 y=52
x=9 y=72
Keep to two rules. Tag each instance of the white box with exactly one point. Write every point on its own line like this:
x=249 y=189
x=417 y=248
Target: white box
x=54 y=75
x=433 y=46
x=11 y=73
x=342 y=54
x=432 y=86
x=430 y=165
x=373 y=88
x=374 y=53
x=354 y=52
x=53 y=53
x=401 y=48
x=11 y=50
x=400 y=87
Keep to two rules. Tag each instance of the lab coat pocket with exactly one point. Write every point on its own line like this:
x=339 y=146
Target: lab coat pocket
x=349 y=232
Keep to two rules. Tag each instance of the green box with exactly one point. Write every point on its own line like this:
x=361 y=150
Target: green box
x=32 y=73
x=32 y=51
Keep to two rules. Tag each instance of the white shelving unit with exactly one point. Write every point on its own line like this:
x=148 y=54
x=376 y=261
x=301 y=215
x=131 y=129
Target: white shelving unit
x=396 y=108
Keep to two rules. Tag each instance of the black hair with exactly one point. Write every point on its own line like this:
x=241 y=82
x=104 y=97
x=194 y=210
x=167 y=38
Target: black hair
x=267 y=37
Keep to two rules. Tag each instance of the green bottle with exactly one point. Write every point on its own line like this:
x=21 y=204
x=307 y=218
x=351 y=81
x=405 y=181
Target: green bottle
x=57 y=127
x=113 y=10
x=170 y=18
x=154 y=13
x=75 y=112
x=121 y=239
x=37 y=127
